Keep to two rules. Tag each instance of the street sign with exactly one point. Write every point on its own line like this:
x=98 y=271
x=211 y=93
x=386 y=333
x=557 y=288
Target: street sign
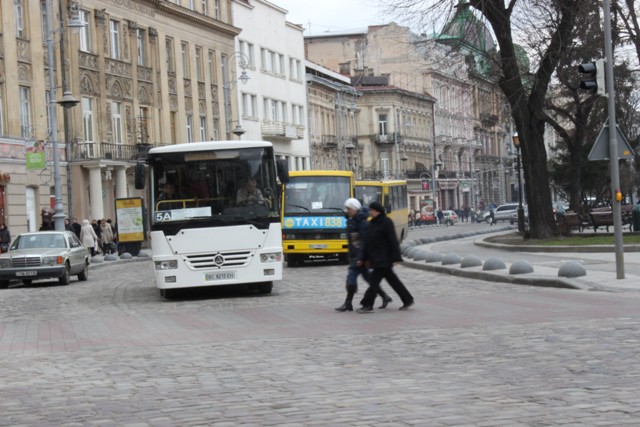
x=600 y=150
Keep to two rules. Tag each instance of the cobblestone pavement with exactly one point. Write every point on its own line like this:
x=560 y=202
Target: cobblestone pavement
x=112 y=352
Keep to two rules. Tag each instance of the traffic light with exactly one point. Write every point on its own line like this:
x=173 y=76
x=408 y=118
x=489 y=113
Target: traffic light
x=595 y=82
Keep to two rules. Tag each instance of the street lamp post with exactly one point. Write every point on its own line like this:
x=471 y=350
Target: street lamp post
x=226 y=87
x=67 y=101
x=516 y=143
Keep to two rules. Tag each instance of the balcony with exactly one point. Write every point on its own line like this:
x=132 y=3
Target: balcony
x=282 y=130
x=389 y=138
x=107 y=151
x=329 y=141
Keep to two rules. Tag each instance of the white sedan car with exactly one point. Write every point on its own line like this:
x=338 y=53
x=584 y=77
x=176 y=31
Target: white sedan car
x=44 y=255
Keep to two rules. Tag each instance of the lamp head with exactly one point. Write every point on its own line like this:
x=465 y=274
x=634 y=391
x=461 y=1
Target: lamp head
x=238 y=131
x=244 y=77
x=68 y=101
x=516 y=140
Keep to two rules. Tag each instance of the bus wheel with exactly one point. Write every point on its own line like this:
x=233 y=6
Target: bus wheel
x=167 y=293
x=265 y=288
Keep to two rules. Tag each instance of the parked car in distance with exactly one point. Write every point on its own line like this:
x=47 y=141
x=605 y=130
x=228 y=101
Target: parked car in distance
x=450 y=217
x=503 y=213
x=44 y=255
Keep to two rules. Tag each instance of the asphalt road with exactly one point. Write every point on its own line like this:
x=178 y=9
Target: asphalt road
x=112 y=352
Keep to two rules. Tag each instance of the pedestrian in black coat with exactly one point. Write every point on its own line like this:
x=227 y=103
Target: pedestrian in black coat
x=382 y=252
x=357 y=221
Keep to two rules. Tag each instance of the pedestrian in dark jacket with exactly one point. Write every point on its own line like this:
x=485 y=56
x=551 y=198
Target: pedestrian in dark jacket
x=381 y=252
x=5 y=238
x=357 y=221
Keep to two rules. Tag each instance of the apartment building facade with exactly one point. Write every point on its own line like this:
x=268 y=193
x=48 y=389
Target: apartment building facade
x=470 y=128
x=144 y=74
x=273 y=101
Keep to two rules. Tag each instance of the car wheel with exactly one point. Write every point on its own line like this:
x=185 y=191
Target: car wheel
x=84 y=274
x=66 y=277
x=265 y=288
x=4 y=284
x=449 y=222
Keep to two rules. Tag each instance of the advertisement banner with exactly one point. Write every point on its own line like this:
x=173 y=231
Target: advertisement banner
x=130 y=220
x=34 y=155
x=427 y=212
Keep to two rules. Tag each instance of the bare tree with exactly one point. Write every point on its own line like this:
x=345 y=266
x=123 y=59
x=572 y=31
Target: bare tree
x=552 y=24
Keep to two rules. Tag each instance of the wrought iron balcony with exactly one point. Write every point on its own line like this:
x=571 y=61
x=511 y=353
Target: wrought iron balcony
x=83 y=150
x=389 y=138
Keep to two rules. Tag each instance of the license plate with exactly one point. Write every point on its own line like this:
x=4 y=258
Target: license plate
x=220 y=275
x=26 y=273
x=318 y=246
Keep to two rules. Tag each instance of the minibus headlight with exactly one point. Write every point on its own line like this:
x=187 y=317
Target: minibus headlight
x=271 y=257
x=171 y=264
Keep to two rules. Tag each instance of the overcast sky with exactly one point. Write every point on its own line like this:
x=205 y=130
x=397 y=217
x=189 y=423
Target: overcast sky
x=322 y=16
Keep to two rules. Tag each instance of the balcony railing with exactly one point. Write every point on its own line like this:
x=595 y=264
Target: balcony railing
x=389 y=138
x=109 y=151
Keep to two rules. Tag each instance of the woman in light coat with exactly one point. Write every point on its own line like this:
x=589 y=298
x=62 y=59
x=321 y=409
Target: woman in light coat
x=106 y=237
x=88 y=236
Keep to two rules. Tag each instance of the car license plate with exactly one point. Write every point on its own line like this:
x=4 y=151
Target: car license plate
x=26 y=273
x=318 y=246
x=220 y=275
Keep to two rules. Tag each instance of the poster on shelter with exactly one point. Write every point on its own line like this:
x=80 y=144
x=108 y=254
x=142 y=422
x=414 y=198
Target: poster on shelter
x=129 y=220
x=34 y=155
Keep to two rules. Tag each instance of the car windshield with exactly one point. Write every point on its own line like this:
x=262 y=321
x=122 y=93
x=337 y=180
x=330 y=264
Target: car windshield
x=40 y=241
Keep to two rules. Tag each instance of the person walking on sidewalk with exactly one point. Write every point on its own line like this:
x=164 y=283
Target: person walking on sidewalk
x=357 y=221
x=382 y=252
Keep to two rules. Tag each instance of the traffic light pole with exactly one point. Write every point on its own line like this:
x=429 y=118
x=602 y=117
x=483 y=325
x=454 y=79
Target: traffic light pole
x=613 y=143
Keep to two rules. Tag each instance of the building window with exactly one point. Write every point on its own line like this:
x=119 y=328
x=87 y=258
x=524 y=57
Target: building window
x=205 y=7
x=297 y=112
x=43 y=22
x=25 y=111
x=294 y=69
x=248 y=49
x=168 y=45
x=114 y=31
x=216 y=129
x=142 y=50
x=143 y=125
x=18 y=10
x=199 y=71
x=116 y=117
x=85 y=31
x=382 y=124
x=192 y=5
x=189 y=128
x=203 y=128
x=216 y=9
x=274 y=110
x=249 y=106
x=212 y=67
x=87 y=119
x=185 y=60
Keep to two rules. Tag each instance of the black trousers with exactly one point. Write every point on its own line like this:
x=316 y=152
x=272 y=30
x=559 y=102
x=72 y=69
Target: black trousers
x=374 y=286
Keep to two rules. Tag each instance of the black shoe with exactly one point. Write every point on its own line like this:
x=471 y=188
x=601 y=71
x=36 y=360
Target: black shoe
x=365 y=310
x=406 y=306
x=345 y=307
x=385 y=302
